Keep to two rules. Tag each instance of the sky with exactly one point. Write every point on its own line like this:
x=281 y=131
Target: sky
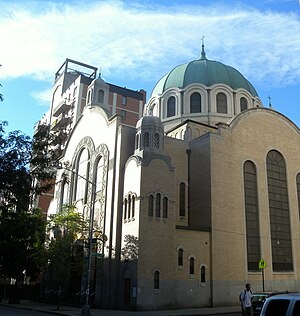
x=135 y=43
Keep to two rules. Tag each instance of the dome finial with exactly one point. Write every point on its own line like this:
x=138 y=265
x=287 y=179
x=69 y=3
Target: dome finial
x=270 y=104
x=203 y=55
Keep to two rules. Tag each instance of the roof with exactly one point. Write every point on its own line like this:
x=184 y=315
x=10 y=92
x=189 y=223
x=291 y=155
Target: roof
x=203 y=71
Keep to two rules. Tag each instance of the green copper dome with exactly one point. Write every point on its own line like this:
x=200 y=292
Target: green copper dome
x=206 y=72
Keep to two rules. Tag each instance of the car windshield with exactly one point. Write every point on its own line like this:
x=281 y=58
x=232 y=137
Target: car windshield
x=259 y=297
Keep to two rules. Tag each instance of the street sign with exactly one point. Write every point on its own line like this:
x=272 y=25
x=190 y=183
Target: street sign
x=262 y=264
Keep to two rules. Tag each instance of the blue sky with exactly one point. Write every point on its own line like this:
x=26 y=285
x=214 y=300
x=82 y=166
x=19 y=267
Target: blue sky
x=136 y=42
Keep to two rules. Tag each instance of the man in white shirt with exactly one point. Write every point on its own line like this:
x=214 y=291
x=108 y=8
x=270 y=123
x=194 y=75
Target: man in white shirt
x=246 y=301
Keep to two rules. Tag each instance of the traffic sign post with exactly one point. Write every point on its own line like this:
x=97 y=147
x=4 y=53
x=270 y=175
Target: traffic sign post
x=262 y=265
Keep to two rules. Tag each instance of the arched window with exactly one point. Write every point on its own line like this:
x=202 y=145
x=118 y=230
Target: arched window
x=165 y=207
x=81 y=176
x=282 y=257
x=243 y=104
x=150 y=205
x=156 y=280
x=137 y=137
x=221 y=103
x=146 y=139
x=202 y=272
x=132 y=205
x=156 y=140
x=171 y=106
x=158 y=202
x=99 y=175
x=100 y=97
x=125 y=208
x=298 y=191
x=180 y=257
x=192 y=265
x=195 y=103
x=252 y=215
x=182 y=199
x=129 y=206
x=64 y=193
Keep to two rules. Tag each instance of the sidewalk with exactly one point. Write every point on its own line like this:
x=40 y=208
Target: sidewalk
x=76 y=311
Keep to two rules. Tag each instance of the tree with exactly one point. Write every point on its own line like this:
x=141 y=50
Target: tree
x=65 y=252
x=22 y=227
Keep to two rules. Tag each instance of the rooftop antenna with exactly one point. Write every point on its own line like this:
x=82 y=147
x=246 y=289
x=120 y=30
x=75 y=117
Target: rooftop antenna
x=203 y=56
x=270 y=104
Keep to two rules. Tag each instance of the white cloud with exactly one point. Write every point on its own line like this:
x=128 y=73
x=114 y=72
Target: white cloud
x=43 y=97
x=143 y=42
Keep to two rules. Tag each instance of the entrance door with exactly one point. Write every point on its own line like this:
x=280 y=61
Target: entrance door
x=127 y=292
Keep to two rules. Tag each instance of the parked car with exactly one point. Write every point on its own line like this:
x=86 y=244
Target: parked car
x=259 y=299
x=282 y=305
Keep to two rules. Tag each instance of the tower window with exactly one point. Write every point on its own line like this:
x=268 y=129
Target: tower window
x=182 y=199
x=156 y=280
x=195 y=103
x=221 y=103
x=150 y=205
x=202 y=274
x=165 y=207
x=192 y=265
x=171 y=107
x=180 y=257
x=243 y=104
x=146 y=140
x=100 y=97
x=156 y=140
x=158 y=202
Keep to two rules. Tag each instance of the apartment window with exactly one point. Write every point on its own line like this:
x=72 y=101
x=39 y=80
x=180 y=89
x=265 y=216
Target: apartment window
x=171 y=107
x=252 y=215
x=180 y=257
x=282 y=258
x=156 y=280
x=243 y=104
x=124 y=100
x=182 y=199
x=221 y=103
x=157 y=206
x=165 y=207
x=150 y=205
x=192 y=265
x=195 y=103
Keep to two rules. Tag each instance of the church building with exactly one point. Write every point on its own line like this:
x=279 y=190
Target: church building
x=191 y=188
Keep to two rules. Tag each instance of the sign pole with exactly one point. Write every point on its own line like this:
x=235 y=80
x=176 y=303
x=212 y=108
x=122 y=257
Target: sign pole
x=262 y=265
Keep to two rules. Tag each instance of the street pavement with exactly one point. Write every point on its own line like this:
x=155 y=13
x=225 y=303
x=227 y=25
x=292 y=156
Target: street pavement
x=76 y=311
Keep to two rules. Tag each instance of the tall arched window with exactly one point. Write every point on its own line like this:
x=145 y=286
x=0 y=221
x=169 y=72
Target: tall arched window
x=243 y=104
x=156 y=280
x=156 y=140
x=125 y=208
x=129 y=206
x=192 y=265
x=195 y=103
x=64 y=193
x=171 y=106
x=99 y=175
x=252 y=215
x=202 y=272
x=221 y=103
x=180 y=257
x=132 y=205
x=81 y=176
x=165 y=207
x=182 y=199
x=282 y=257
x=150 y=205
x=298 y=191
x=157 y=207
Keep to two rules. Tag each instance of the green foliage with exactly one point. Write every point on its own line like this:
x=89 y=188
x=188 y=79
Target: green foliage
x=21 y=243
x=65 y=253
x=131 y=249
